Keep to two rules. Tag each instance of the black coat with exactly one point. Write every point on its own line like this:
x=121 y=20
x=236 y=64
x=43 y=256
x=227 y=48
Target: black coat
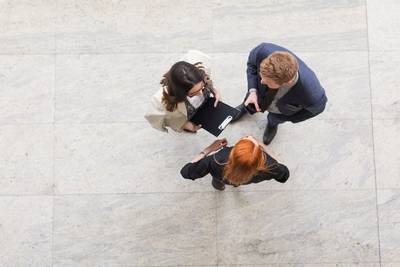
x=214 y=165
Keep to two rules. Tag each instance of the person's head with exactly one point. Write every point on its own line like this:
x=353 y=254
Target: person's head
x=182 y=80
x=245 y=160
x=278 y=69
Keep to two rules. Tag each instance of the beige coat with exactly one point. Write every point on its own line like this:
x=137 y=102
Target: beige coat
x=158 y=117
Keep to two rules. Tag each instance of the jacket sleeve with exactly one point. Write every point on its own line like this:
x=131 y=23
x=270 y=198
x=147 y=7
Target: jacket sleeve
x=156 y=120
x=307 y=112
x=278 y=172
x=160 y=119
x=314 y=98
x=197 y=169
x=252 y=74
x=275 y=170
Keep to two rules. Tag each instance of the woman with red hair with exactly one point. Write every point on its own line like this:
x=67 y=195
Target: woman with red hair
x=244 y=163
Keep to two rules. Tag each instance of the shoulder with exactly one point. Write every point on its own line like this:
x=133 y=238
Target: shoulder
x=265 y=49
x=196 y=56
x=269 y=160
x=311 y=86
x=156 y=99
x=222 y=156
x=273 y=166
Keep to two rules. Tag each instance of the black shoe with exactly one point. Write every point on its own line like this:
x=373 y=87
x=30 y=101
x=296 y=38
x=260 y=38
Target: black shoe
x=242 y=111
x=269 y=134
x=219 y=185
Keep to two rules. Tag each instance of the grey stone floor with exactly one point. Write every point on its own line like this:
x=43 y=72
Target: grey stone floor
x=85 y=181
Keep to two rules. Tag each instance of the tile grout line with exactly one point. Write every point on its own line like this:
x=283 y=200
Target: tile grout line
x=55 y=28
x=53 y=169
x=194 y=192
x=54 y=137
x=216 y=228
x=145 y=122
x=100 y=53
x=53 y=211
x=256 y=264
x=181 y=52
x=373 y=136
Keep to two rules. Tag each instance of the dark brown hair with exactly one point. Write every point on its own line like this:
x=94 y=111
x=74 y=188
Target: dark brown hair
x=178 y=81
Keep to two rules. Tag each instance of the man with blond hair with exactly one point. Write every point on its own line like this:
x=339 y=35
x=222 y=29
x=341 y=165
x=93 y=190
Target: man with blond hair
x=282 y=84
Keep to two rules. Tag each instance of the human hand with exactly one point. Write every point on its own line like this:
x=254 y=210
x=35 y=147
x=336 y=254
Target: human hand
x=252 y=99
x=217 y=144
x=217 y=97
x=191 y=127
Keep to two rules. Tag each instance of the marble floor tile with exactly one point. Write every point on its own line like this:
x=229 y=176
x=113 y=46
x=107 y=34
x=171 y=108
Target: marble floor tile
x=383 y=25
x=25 y=231
x=26 y=159
x=389 y=227
x=27 y=88
x=390 y=264
x=229 y=76
x=125 y=158
x=344 y=75
x=345 y=78
x=359 y=264
x=133 y=26
x=328 y=154
x=384 y=85
x=309 y=25
x=108 y=88
x=114 y=151
x=387 y=157
x=98 y=26
x=76 y=78
x=135 y=230
x=27 y=26
x=320 y=153
x=297 y=226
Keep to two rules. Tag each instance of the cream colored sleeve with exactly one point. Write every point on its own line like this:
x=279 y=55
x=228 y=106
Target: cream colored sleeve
x=156 y=113
x=159 y=118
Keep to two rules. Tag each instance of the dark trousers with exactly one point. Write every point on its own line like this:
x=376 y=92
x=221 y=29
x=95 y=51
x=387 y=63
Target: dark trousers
x=274 y=119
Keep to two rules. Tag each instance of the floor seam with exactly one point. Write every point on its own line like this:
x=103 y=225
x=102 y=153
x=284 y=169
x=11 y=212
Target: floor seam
x=373 y=137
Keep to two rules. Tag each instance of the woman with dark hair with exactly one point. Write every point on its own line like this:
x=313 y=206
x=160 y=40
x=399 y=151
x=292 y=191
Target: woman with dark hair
x=244 y=163
x=185 y=87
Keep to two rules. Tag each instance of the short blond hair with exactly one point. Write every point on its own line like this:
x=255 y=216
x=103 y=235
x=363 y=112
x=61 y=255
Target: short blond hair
x=281 y=67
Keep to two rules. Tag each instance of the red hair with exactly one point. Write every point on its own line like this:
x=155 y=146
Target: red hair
x=245 y=160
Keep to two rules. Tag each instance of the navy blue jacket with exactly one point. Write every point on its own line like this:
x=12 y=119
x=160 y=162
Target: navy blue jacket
x=304 y=100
